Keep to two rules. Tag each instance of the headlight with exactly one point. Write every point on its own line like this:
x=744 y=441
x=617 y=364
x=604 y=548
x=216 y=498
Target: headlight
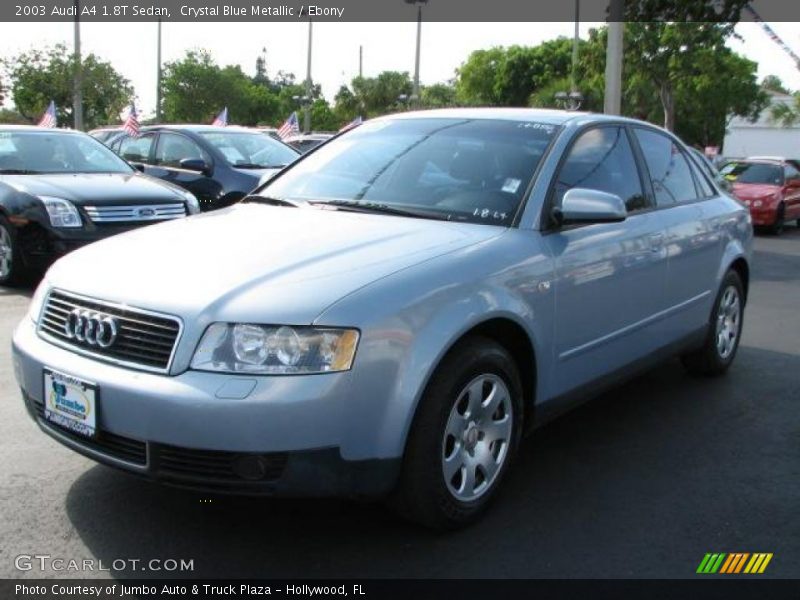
x=274 y=350
x=62 y=212
x=35 y=308
x=192 y=205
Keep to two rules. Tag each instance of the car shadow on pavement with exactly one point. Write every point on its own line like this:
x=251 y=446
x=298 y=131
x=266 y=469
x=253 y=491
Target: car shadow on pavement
x=639 y=482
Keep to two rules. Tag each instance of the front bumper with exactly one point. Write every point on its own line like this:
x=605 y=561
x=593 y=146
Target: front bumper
x=763 y=216
x=41 y=245
x=254 y=435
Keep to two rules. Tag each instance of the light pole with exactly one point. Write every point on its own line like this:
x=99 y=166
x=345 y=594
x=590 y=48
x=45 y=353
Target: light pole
x=612 y=103
x=575 y=42
x=307 y=119
x=158 y=74
x=419 y=4
x=77 y=98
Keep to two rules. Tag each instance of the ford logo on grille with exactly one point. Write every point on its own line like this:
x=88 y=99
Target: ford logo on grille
x=91 y=328
x=145 y=212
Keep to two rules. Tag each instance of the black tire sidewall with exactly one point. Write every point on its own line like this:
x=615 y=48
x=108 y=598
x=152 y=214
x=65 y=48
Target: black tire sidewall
x=422 y=474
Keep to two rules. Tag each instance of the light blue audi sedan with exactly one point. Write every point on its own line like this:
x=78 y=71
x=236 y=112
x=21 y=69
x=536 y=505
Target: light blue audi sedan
x=393 y=311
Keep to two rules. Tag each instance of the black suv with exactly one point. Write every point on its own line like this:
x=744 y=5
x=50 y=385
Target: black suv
x=219 y=165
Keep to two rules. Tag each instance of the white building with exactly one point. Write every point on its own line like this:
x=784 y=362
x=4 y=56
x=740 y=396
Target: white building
x=763 y=137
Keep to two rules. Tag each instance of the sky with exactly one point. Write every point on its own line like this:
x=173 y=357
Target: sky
x=131 y=47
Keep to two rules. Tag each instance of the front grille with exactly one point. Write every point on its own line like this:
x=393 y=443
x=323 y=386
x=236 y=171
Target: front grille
x=213 y=465
x=110 y=444
x=144 y=340
x=135 y=213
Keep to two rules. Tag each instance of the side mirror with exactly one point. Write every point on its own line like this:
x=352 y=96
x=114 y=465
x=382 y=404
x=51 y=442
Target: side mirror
x=195 y=164
x=585 y=206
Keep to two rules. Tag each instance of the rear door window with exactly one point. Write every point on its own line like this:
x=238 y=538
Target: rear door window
x=669 y=170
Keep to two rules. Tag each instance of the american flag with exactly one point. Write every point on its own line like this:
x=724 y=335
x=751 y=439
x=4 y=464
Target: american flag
x=131 y=125
x=49 y=117
x=354 y=123
x=222 y=118
x=290 y=127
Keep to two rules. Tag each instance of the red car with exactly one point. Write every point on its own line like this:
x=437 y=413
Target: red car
x=770 y=187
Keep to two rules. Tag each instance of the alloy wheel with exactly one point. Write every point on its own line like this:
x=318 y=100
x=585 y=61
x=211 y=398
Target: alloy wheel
x=477 y=437
x=729 y=319
x=6 y=250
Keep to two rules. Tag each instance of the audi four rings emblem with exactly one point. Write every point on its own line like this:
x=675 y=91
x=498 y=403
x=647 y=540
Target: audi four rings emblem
x=91 y=328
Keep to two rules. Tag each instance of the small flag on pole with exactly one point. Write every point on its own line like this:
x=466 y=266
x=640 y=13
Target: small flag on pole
x=290 y=127
x=354 y=123
x=131 y=125
x=222 y=118
x=49 y=117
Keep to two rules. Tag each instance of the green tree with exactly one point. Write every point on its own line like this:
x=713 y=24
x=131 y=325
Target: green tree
x=379 y=95
x=196 y=89
x=438 y=95
x=787 y=115
x=39 y=76
x=773 y=83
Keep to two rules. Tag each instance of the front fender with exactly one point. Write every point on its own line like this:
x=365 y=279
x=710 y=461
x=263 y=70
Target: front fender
x=410 y=321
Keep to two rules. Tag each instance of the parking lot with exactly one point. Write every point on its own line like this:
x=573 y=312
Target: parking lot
x=640 y=482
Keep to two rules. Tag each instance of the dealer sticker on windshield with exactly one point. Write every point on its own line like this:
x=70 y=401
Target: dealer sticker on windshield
x=70 y=403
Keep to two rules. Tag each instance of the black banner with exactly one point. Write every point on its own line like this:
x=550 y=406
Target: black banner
x=384 y=10
x=730 y=588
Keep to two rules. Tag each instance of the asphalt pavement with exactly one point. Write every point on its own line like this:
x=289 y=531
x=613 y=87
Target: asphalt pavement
x=639 y=482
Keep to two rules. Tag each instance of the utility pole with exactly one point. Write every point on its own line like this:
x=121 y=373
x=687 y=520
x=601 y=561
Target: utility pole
x=575 y=42
x=415 y=93
x=158 y=75
x=307 y=120
x=77 y=98
x=360 y=61
x=612 y=104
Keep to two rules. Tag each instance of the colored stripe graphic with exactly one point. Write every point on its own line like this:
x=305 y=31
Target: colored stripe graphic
x=734 y=563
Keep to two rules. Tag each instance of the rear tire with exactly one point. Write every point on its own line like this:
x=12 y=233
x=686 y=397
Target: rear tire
x=10 y=259
x=463 y=438
x=780 y=216
x=724 y=330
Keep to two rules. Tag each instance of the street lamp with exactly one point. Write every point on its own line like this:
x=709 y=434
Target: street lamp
x=419 y=4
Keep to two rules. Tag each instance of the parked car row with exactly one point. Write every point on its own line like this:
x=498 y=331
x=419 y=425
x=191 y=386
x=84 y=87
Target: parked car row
x=769 y=186
x=387 y=315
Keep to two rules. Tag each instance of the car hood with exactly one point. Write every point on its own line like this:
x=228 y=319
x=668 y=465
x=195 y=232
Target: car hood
x=256 y=263
x=92 y=188
x=259 y=175
x=751 y=191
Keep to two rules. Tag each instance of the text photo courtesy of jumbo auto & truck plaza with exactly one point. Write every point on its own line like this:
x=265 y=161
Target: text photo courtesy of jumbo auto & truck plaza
x=382 y=298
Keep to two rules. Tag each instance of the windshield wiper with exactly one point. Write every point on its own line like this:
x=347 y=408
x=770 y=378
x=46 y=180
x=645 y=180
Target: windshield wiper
x=270 y=201
x=256 y=166
x=18 y=172
x=384 y=209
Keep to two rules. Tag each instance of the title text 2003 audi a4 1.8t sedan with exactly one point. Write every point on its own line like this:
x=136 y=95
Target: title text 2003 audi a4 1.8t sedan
x=390 y=313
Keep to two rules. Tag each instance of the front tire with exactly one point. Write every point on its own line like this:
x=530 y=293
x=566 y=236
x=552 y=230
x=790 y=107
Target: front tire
x=780 y=218
x=724 y=330
x=10 y=259
x=463 y=438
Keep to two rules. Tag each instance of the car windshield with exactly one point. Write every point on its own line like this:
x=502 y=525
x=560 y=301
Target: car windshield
x=250 y=150
x=474 y=170
x=754 y=173
x=53 y=152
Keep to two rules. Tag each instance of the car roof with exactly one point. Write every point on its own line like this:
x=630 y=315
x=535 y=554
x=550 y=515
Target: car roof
x=196 y=128
x=37 y=129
